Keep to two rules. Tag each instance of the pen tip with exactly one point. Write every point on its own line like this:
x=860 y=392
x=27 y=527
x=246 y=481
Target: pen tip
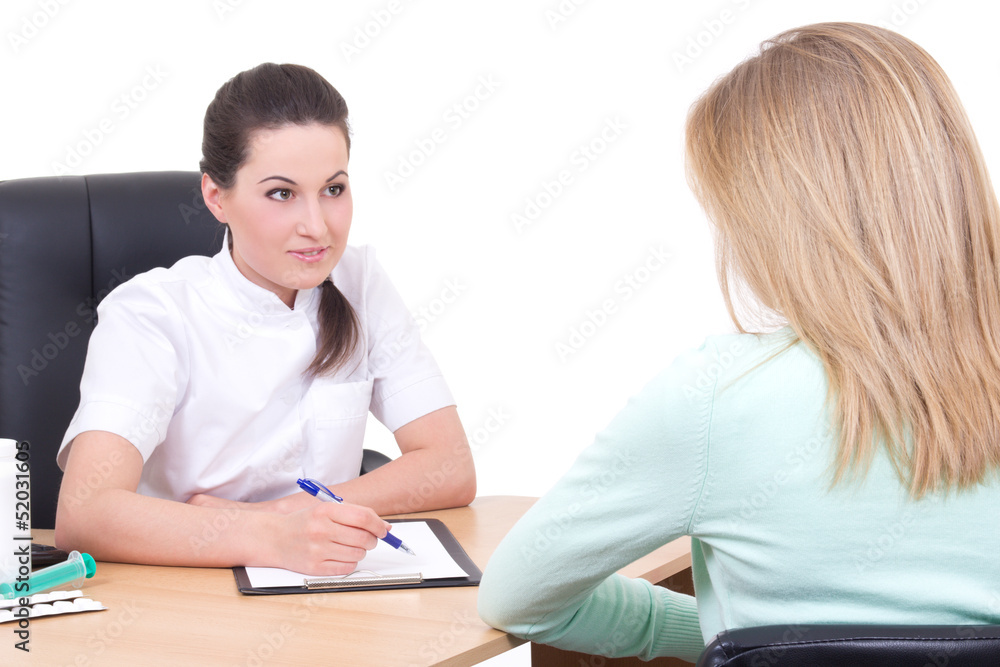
x=408 y=550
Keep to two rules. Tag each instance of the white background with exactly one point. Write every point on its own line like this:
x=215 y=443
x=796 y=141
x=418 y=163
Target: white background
x=118 y=85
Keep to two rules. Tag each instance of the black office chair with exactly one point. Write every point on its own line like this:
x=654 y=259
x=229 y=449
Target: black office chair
x=855 y=646
x=65 y=243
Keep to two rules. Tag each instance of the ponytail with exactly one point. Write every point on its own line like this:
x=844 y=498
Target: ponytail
x=339 y=331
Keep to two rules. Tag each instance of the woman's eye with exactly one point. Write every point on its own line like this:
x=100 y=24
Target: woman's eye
x=335 y=190
x=280 y=195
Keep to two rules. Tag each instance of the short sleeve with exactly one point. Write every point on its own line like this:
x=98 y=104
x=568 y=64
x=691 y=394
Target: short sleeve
x=407 y=380
x=133 y=374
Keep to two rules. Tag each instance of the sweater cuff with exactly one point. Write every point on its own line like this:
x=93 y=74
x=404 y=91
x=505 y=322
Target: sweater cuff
x=683 y=639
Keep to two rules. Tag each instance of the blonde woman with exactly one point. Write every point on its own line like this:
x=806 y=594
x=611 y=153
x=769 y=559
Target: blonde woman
x=844 y=467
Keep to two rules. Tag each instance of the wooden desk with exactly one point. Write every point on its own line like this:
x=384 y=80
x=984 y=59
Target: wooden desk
x=175 y=615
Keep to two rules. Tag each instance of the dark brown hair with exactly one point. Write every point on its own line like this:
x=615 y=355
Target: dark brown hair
x=271 y=96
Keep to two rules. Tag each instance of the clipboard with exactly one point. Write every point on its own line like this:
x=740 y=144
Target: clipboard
x=378 y=582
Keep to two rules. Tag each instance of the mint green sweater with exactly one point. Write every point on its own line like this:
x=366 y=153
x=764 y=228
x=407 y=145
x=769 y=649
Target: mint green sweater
x=733 y=447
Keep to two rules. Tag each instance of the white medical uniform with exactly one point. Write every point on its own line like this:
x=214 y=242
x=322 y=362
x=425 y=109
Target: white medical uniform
x=202 y=371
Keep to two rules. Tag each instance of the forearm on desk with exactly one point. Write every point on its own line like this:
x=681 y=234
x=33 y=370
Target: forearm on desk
x=619 y=617
x=553 y=580
x=103 y=515
x=417 y=481
x=124 y=526
x=435 y=471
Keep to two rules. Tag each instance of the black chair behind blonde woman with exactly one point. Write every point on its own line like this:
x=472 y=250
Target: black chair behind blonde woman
x=855 y=646
x=65 y=243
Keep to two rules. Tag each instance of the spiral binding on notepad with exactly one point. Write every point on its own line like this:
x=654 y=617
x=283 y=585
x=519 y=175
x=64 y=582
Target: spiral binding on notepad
x=360 y=578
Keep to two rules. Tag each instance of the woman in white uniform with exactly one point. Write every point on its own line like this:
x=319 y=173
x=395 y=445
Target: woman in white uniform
x=211 y=386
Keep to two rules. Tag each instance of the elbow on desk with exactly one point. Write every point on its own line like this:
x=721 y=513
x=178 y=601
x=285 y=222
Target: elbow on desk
x=500 y=617
x=65 y=533
x=500 y=606
x=60 y=537
x=465 y=492
x=79 y=526
x=460 y=489
x=512 y=597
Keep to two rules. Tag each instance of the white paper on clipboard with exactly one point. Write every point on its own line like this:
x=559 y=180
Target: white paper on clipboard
x=432 y=560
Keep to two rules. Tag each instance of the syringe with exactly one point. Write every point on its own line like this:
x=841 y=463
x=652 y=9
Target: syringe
x=72 y=571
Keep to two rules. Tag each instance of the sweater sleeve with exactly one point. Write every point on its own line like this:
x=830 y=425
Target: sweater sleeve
x=552 y=579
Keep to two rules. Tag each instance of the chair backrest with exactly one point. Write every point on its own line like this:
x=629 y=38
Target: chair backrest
x=855 y=646
x=65 y=242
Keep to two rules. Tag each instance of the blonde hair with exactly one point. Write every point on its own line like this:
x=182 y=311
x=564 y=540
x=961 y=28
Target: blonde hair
x=850 y=196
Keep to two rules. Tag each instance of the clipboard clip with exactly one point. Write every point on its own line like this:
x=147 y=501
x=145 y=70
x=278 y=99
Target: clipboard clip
x=360 y=578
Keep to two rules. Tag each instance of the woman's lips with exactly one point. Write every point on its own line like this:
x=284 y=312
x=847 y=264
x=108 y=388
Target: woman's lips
x=309 y=255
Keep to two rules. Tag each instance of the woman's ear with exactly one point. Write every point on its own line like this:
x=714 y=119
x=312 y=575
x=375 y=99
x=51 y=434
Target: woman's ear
x=213 y=194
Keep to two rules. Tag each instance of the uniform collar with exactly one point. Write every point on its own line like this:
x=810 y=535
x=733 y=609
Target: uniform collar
x=253 y=296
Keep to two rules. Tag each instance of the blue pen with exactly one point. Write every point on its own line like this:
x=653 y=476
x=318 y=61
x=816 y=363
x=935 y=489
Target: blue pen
x=312 y=487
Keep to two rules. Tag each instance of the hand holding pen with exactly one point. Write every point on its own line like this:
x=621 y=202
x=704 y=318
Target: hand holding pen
x=315 y=488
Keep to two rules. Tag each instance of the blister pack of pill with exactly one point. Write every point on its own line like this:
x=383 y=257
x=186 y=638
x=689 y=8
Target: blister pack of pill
x=53 y=603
